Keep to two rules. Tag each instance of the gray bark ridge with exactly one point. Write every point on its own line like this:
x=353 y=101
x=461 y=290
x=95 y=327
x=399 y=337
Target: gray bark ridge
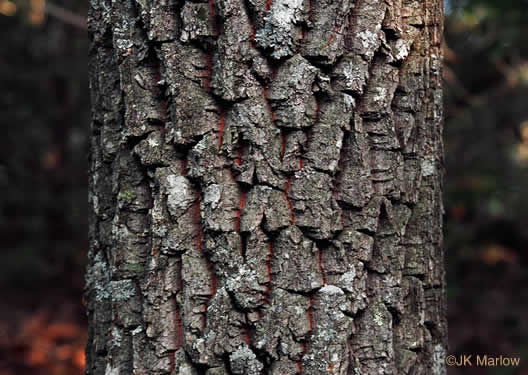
x=266 y=180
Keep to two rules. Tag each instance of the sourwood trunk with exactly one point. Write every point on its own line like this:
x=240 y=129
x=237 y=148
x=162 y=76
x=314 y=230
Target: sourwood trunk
x=266 y=188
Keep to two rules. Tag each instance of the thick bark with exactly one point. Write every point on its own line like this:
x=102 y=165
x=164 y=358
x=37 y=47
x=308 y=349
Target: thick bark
x=266 y=187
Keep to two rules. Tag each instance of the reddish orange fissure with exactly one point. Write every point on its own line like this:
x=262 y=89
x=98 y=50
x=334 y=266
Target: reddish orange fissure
x=184 y=167
x=179 y=330
x=283 y=146
x=310 y=321
x=243 y=193
x=239 y=156
x=239 y=213
x=292 y=215
x=173 y=362
x=332 y=36
x=248 y=336
x=212 y=10
x=221 y=128
x=299 y=367
x=199 y=235
x=299 y=362
x=238 y=161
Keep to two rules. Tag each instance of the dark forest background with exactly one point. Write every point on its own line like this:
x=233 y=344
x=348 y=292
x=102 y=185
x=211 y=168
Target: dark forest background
x=44 y=117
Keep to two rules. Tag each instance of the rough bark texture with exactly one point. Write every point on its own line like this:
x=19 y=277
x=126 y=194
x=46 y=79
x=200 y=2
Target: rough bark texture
x=266 y=188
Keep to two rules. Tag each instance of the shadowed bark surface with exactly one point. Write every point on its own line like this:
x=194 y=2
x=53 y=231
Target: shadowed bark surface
x=266 y=188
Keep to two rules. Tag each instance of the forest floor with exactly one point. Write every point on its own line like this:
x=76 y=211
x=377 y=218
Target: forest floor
x=42 y=333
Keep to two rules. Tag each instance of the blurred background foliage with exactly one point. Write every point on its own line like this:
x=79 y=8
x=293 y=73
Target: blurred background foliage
x=43 y=182
x=44 y=104
x=486 y=185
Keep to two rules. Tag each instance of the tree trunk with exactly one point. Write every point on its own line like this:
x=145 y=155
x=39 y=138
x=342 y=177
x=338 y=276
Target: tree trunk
x=266 y=188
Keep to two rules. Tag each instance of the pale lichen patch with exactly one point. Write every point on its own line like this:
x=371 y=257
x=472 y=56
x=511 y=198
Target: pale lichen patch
x=122 y=290
x=439 y=357
x=278 y=32
x=428 y=167
x=244 y=362
x=179 y=194
x=212 y=195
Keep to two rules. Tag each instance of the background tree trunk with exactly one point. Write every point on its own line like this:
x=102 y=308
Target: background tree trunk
x=266 y=187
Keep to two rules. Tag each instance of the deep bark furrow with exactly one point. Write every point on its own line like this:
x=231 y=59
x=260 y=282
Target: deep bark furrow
x=266 y=188
x=320 y=264
x=269 y=265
